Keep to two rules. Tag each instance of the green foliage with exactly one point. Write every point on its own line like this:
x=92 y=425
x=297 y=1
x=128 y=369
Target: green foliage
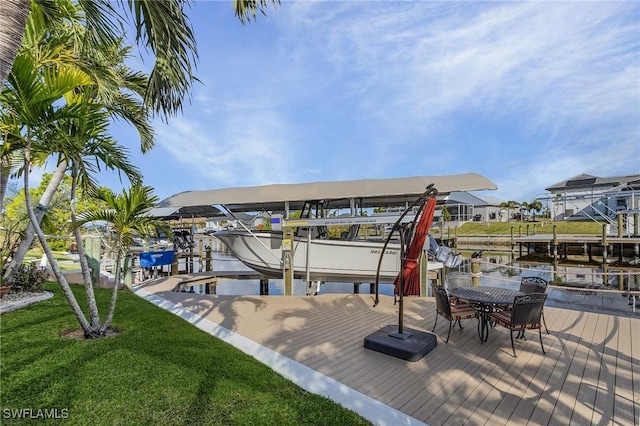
x=126 y=213
x=58 y=244
x=186 y=375
x=446 y=216
x=29 y=278
x=56 y=219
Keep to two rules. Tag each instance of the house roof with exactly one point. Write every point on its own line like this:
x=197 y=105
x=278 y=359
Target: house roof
x=461 y=197
x=589 y=181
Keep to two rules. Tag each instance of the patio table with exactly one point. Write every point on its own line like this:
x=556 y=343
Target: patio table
x=485 y=300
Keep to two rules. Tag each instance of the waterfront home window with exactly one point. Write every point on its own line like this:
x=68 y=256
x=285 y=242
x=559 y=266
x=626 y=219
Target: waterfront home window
x=621 y=203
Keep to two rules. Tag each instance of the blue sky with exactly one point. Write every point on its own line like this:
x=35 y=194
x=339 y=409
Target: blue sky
x=525 y=93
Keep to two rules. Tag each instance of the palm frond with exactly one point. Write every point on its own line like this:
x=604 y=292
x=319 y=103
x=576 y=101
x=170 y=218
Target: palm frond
x=164 y=28
x=247 y=10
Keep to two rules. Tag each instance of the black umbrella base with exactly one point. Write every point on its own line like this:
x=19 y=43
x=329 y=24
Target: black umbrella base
x=411 y=345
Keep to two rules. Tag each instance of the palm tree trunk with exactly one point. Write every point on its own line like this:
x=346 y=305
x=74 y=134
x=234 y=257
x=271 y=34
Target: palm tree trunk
x=66 y=289
x=13 y=18
x=5 y=170
x=44 y=202
x=114 y=294
x=84 y=265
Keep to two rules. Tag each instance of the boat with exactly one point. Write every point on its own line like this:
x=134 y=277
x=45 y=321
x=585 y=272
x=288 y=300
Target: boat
x=302 y=245
x=317 y=259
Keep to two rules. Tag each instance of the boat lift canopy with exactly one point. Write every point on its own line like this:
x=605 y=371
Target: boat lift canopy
x=362 y=193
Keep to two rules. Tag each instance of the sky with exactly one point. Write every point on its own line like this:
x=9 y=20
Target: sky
x=527 y=94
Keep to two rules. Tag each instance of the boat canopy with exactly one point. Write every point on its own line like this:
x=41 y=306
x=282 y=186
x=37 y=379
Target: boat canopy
x=364 y=193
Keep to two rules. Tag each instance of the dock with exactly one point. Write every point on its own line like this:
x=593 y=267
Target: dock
x=589 y=375
x=564 y=245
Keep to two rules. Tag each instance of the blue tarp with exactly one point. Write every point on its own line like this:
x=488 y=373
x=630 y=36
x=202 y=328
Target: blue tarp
x=156 y=258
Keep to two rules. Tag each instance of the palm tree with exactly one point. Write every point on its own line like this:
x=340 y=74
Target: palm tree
x=72 y=130
x=85 y=142
x=161 y=26
x=51 y=48
x=79 y=135
x=535 y=206
x=246 y=10
x=127 y=215
x=524 y=209
x=509 y=205
x=13 y=18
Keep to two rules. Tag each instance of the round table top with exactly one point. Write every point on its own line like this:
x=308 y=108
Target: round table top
x=493 y=295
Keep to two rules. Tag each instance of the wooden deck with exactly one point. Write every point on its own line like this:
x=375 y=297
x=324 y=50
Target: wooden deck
x=590 y=374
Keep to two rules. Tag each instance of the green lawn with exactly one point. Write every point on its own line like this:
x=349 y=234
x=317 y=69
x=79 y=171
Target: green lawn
x=540 y=227
x=159 y=370
x=63 y=259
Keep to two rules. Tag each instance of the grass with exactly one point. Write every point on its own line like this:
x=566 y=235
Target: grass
x=159 y=370
x=504 y=228
x=63 y=259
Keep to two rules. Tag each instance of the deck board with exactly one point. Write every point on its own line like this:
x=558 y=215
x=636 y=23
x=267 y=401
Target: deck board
x=592 y=363
x=635 y=369
x=535 y=391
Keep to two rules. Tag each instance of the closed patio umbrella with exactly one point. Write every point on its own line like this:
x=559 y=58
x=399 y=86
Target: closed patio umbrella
x=411 y=271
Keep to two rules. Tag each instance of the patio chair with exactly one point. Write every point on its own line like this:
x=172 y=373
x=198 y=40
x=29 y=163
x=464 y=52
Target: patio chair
x=530 y=285
x=457 y=279
x=454 y=313
x=525 y=314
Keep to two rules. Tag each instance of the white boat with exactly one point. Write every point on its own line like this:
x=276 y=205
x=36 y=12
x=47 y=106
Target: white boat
x=327 y=260
x=349 y=259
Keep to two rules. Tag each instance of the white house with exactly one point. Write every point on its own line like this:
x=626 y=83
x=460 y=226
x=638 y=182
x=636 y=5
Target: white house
x=592 y=197
x=465 y=207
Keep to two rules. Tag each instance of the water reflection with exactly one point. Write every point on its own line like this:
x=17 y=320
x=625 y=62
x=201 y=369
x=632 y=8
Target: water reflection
x=588 y=283
x=222 y=261
x=583 y=287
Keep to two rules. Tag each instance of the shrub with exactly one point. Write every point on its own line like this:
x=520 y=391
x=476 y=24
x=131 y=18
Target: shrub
x=59 y=245
x=29 y=278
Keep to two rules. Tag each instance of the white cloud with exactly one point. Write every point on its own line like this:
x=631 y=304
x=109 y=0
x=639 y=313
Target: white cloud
x=527 y=93
x=242 y=147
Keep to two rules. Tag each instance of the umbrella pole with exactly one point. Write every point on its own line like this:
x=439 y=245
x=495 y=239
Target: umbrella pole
x=401 y=286
x=401 y=334
x=411 y=345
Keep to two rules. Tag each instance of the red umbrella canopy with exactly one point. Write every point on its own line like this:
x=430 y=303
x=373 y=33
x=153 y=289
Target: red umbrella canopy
x=410 y=272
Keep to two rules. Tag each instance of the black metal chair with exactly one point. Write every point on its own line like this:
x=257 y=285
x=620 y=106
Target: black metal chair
x=453 y=312
x=529 y=285
x=457 y=279
x=526 y=314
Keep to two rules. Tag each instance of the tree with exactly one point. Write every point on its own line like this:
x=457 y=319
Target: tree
x=246 y=10
x=127 y=215
x=56 y=49
x=79 y=143
x=536 y=207
x=161 y=26
x=509 y=205
x=446 y=215
x=56 y=220
x=58 y=109
x=524 y=209
x=13 y=18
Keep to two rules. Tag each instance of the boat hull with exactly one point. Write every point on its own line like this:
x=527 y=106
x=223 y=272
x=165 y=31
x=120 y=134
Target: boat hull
x=328 y=260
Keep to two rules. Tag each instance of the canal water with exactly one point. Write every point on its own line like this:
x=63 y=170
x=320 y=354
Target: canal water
x=586 y=288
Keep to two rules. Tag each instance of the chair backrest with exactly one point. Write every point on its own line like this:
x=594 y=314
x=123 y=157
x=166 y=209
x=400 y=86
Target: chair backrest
x=527 y=309
x=442 y=300
x=533 y=285
x=457 y=279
